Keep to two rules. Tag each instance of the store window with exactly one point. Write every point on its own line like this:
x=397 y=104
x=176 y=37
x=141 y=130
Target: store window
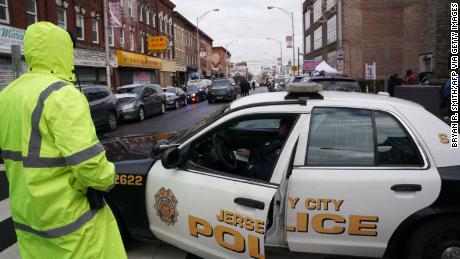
x=62 y=17
x=332 y=29
x=95 y=30
x=317 y=10
x=332 y=58
x=31 y=6
x=318 y=38
x=307 y=19
x=4 y=14
x=331 y=3
x=80 y=21
x=308 y=44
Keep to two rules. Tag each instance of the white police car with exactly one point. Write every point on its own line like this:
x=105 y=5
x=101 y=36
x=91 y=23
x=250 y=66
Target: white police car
x=307 y=171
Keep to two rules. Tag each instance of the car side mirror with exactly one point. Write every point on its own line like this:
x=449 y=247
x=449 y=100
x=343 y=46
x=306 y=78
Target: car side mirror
x=171 y=158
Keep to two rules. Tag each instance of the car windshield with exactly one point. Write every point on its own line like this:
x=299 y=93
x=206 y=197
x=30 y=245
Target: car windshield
x=220 y=83
x=170 y=90
x=297 y=79
x=339 y=85
x=192 y=89
x=200 y=125
x=279 y=80
x=129 y=90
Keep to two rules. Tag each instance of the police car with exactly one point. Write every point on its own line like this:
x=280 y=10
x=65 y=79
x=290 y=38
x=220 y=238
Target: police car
x=353 y=174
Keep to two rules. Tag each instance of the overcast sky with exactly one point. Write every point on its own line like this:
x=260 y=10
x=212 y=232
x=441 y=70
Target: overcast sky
x=250 y=22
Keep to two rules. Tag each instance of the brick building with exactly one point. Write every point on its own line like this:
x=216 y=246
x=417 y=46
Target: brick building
x=205 y=60
x=220 y=66
x=364 y=29
x=188 y=50
x=140 y=19
x=83 y=18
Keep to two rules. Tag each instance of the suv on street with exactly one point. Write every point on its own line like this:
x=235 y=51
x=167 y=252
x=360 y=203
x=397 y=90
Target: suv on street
x=310 y=171
x=137 y=101
x=103 y=106
x=175 y=97
x=222 y=90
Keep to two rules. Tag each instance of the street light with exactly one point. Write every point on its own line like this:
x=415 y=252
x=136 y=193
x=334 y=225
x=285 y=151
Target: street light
x=281 y=49
x=198 y=38
x=291 y=14
x=226 y=53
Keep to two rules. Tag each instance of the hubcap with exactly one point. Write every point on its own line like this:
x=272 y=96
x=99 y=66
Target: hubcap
x=451 y=253
x=163 y=109
x=141 y=114
x=112 y=121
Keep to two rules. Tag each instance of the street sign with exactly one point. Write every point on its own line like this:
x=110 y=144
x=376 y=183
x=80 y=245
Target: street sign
x=157 y=44
x=294 y=68
x=289 y=42
x=114 y=14
x=371 y=71
x=309 y=65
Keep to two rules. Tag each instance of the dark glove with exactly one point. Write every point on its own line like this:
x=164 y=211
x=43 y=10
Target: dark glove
x=95 y=199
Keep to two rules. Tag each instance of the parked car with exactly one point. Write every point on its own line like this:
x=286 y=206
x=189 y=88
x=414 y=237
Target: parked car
x=222 y=89
x=103 y=106
x=138 y=101
x=335 y=83
x=280 y=83
x=175 y=97
x=195 y=94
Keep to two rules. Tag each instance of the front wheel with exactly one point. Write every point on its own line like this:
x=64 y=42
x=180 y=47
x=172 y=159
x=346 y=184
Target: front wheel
x=111 y=121
x=436 y=239
x=141 y=114
x=176 y=105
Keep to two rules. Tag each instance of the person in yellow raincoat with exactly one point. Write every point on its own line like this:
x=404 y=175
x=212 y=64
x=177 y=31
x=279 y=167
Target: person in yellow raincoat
x=53 y=157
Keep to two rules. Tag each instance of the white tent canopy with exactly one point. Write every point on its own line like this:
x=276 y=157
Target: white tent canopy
x=323 y=66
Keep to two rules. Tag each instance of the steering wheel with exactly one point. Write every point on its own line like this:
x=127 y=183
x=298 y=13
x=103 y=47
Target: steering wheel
x=223 y=152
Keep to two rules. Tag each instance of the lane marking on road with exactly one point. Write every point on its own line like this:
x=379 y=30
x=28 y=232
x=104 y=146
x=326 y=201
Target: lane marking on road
x=4 y=209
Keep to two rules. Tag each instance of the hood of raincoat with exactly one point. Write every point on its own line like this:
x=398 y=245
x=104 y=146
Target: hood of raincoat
x=49 y=49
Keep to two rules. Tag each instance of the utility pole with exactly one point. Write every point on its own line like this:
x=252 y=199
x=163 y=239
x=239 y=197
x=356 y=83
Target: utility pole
x=107 y=48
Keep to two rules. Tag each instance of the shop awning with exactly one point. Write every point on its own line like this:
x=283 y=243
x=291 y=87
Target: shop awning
x=128 y=59
x=168 y=66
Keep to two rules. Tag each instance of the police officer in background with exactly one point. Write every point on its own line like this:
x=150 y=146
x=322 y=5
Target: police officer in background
x=53 y=158
x=262 y=158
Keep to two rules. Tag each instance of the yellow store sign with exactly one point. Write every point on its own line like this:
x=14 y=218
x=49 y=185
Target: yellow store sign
x=128 y=59
x=157 y=44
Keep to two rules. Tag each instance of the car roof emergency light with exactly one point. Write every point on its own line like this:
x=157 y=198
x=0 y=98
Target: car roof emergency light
x=304 y=90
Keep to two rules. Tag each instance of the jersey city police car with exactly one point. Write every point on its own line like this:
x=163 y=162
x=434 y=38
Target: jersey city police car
x=305 y=171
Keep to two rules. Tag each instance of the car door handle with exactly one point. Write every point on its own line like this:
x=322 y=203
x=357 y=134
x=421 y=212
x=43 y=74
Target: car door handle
x=406 y=187
x=249 y=203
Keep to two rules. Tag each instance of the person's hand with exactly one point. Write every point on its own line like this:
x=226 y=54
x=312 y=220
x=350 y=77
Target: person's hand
x=243 y=152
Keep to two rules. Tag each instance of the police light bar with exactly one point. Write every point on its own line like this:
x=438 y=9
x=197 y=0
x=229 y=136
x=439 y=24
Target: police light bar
x=304 y=88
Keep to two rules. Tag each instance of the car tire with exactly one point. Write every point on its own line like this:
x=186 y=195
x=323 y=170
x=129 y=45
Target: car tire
x=163 y=109
x=124 y=232
x=141 y=114
x=176 y=105
x=111 y=121
x=185 y=102
x=438 y=238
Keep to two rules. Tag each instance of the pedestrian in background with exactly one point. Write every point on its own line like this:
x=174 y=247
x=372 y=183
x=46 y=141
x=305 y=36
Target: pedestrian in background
x=410 y=78
x=253 y=85
x=55 y=165
x=394 y=81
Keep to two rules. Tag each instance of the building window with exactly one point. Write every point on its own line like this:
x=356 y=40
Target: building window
x=165 y=22
x=80 y=21
x=130 y=8
x=95 y=30
x=147 y=16
x=154 y=19
x=111 y=38
x=318 y=59
x=4 y=15
x=307 y=19
x=317 y=10
x=160 y=20
x=142 y=42
x=121 y=5
x=318 y=38
x=308 y=44
x=332 y=58
x=170 y=26
x=122 y=36
x=131 y=40
x=331 y=3
x=332 y=29
x=141 y=13
x=31 y=11
x=62 y=17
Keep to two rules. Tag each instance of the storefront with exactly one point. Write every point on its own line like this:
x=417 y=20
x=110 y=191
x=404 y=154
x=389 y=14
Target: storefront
x=168 y=73
x=10 y=36
x=90 y=66
x=136 y=68
x=181 y=75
